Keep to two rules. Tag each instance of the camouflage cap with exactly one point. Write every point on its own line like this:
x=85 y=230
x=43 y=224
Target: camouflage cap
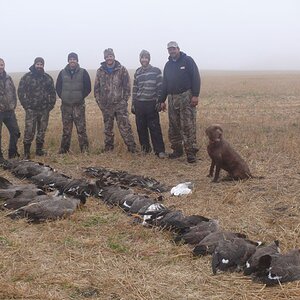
x=172 y=44
x=39 y=59
x=145 y=53
x=108 y=51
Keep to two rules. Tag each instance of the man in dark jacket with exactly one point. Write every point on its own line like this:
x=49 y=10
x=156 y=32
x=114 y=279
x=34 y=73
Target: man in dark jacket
x=8 y=102
x=147 y=85
x=37 y=96
x=181 y=83
x=72 y=86
x=112 y=91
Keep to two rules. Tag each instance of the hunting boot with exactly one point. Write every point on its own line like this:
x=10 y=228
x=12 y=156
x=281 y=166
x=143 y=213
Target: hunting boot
x=178 y=152
x=39 y=150
x=27 y=151
x=1 y=158
x=13 y=154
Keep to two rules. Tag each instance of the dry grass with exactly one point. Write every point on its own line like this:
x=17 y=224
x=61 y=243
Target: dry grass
x=99 y=254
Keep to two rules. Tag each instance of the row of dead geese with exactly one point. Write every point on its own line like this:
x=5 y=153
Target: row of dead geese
x=230 y=251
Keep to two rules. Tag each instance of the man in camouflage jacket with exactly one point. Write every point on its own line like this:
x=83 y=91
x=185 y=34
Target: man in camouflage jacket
x=112 y=91
x=37 y=96
x=8 y=102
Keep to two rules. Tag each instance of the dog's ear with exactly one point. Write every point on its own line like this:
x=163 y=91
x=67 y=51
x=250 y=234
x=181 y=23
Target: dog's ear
x=219 y=130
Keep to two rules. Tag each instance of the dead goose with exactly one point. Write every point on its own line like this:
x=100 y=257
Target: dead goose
x=197 y=233
x=278 y=268
x=152 y=213
x=79 y=188
x=231 y=255
x=11 y=191
x=128 y=201
x=124 y=178
x=50 y=180
x=139 y=203
x=18 y=202
x=117 y=195
x=52 y=209
x=210 y=242
x=252 y=263
x=28 y=168
x=171 y=220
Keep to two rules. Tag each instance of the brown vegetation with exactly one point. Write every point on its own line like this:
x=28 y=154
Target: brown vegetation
x=99 y=254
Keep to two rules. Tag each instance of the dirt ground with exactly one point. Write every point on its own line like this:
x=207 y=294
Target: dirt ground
x=99 y=254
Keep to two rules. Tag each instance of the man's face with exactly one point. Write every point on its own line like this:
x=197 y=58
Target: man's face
x=2 y=66
x=72 y=62
x=144 y=61
x=174 y=52
x=39 y=66
x=109 y=60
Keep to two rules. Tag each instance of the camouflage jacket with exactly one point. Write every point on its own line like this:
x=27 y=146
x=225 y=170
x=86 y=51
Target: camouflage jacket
x=8 y=97
x=112 y=87
x=36 y=91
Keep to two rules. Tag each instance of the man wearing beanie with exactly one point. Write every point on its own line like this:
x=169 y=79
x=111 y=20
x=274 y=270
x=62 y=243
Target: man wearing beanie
x=8 y=103
x=112 y=91
x=72 y=86
x=181 y=83
x=146 y=90
x=37 y=96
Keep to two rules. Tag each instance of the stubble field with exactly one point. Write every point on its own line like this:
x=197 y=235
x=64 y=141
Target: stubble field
x=99 y=254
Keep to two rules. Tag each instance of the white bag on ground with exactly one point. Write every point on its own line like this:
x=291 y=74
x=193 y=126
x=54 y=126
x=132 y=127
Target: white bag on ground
x=182 y=189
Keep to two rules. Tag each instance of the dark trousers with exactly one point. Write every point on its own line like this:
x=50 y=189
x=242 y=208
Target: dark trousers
x=147 y=120
x=10 y=121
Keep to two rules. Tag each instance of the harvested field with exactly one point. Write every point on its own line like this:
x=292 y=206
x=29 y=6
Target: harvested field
x=100 y=254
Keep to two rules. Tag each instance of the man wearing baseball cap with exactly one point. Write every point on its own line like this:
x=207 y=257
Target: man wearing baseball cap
x=181 y=83
x=112 y=91
x=146 y=89
x=37 y=96
x=72 y=86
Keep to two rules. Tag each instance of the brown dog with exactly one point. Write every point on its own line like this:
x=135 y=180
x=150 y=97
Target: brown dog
x=224 y=157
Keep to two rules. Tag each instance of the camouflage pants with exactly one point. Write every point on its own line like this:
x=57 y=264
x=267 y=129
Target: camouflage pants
x=119 y=112
x=73 y=114
x=182 y=122
x=35 y=120
x=10 y=121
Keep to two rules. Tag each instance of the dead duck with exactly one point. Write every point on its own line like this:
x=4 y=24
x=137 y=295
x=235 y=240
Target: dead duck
x=210 y=242
x=252 y=263
x=52 y=209
x=232 y=255
x=194 y=235
x=278 y=268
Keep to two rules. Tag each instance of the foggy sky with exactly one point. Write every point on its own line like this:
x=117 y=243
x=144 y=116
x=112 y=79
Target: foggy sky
x=218 y=34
